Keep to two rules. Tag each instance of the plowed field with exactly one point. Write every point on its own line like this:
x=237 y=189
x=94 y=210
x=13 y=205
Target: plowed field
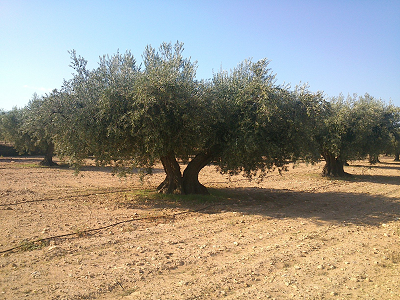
x=293 y=236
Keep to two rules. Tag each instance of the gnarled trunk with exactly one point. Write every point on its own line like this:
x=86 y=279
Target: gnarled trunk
x=191 y=184
x=188 y=183
x=333 y=166
x=172 y=183
x=48 y=156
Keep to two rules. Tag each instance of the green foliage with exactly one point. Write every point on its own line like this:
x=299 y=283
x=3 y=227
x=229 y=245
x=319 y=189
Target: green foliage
x=30 y=129
x=261 y=125
x=32 y=245
x=356 y=127
x=95 y=104
x=131 y=116
x=241 y=120
x=378 y=123
x=126 y=116
x=11 y=124
x=2 y=133
x=167 y=108
x=38 y=123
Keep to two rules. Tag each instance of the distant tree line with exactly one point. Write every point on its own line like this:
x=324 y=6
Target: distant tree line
x=134 y=116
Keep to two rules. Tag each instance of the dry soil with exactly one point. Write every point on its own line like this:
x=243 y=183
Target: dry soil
x=293 y=236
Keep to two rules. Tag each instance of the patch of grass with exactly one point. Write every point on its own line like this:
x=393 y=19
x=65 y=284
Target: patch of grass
x=153 y=198
x=32 y=245
x=30 y=165
x=215 y=195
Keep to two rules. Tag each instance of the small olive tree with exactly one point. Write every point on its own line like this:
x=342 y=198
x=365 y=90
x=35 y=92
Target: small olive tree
x=39 y=125
x=11 y=123
x=354 y=128
x=30 y=130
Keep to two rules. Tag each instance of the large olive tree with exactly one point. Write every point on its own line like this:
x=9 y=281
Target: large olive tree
x=127 y=115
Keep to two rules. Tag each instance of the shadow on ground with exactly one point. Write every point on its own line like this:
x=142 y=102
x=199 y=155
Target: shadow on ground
x=359 y=209
x=337 y=207
x=381 y=165
x=355 y=208
x=34 y=161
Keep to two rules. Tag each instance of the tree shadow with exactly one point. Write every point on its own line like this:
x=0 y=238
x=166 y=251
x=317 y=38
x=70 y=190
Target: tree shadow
x=381 y=165
x=385 y=179
x=333 y=207
x=21 y=159
x=111 y=170
x=337 y=207
x=33 y=161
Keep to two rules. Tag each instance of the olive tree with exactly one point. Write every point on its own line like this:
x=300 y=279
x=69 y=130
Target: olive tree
x=11 y=130
x=127 y=115
x=379 y=122
x=354 y=128
x=30 y=129
x=394 y=146
x=38 y=124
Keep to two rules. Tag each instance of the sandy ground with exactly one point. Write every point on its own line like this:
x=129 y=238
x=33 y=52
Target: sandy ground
x=296 y=236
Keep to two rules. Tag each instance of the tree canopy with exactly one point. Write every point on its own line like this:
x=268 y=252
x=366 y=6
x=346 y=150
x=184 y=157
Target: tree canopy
x=128 y=115
x=30 y=129
x=354 y=128
x=131 y=115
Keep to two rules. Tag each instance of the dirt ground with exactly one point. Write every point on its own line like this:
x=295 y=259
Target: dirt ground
x=295 y=236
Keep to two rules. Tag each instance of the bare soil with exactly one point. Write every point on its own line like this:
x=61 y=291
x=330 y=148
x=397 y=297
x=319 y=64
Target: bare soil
x=295 y=236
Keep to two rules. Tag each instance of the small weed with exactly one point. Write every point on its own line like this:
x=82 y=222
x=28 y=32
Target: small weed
x=79 y=231
x=32 y=245
x=128 y=228
x=397 y=230
x=314 y=236
x=128 y=292
x=394 y=257
x=287 y=265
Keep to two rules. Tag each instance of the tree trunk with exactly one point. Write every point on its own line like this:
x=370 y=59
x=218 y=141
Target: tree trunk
x=48 y=156
x=374 y=159
x=397 y=156
x=172 y=183
x=191 y=184
x=333 y=166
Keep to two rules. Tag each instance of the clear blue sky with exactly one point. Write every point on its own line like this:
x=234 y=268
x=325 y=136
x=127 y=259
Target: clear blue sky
x=338 y=46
